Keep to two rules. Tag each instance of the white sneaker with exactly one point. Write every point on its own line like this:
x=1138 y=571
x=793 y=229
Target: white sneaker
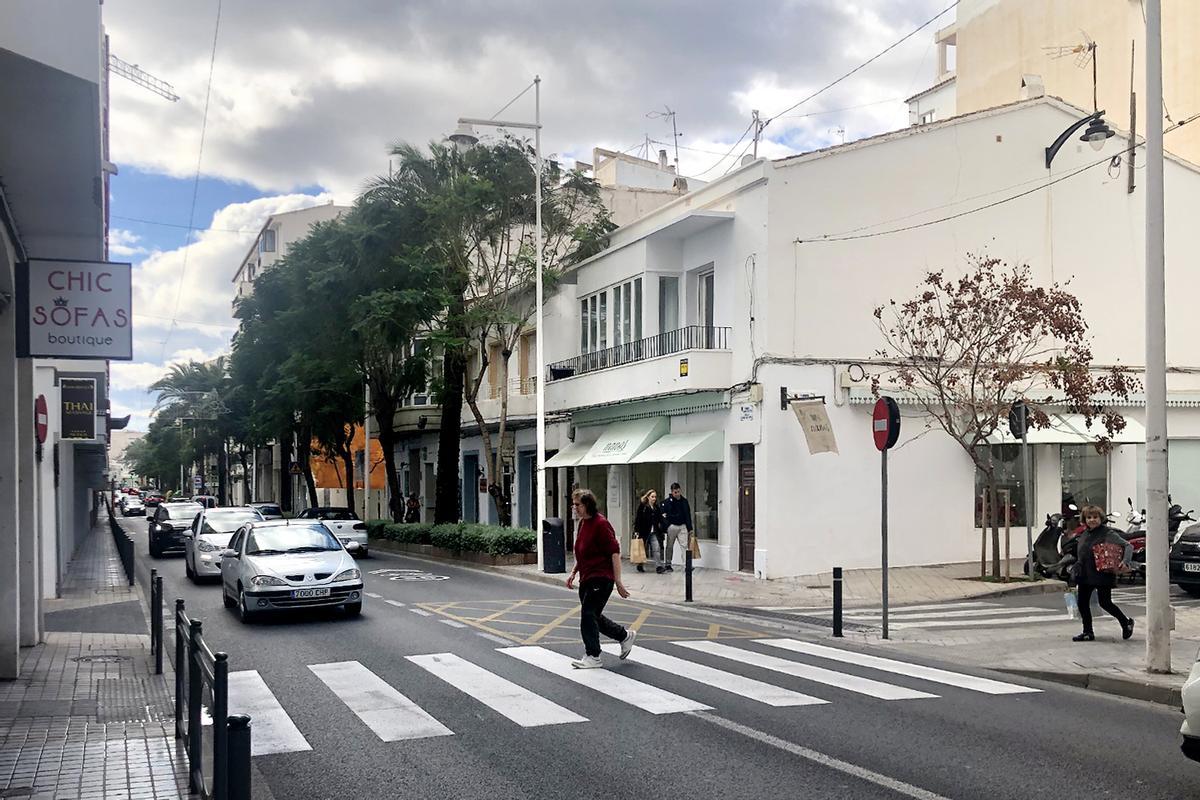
x=627 y=644
x=587 y=662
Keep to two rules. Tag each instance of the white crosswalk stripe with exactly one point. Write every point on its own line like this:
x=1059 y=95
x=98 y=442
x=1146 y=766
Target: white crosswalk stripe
x=499 y=694
x=965 y=614
x=1002 y=611
x=612 y=684
x=391 y=715
x=971 y=682
x=274 y=731
x=840 y=680
x=719 y=679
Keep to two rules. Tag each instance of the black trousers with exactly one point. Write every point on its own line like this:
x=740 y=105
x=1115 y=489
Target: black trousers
x=1104 y=594
x=593 y=595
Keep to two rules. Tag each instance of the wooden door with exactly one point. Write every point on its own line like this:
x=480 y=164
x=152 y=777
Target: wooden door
x=746 y=507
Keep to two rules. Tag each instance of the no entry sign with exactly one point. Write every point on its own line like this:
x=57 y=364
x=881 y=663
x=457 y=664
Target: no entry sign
x=885 y=424
x=41 y=418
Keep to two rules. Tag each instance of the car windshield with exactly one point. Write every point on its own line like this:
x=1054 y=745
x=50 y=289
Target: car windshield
x=227 y=521
x=265 y=509
x=182 y=510
x=290 y=539
x=336 y=514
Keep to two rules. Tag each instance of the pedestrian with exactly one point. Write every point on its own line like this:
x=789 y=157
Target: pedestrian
x=677 y=515
x=647 y=524
x=1091 y=579
x=412 y=510
x=598 y=564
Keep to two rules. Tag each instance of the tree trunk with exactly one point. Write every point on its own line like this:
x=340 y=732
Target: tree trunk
x=223 y=474
x=306 y=468
x=285 y=471
x=247 y=476
x=385 y=418
x=994 y=503
x=447 y=505
x=348 y=461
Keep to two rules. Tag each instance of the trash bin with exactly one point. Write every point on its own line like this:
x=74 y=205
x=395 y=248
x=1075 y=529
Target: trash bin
x=554 y=545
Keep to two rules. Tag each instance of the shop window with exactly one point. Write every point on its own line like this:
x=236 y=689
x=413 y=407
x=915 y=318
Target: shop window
x=701 y=486
x=1084 y=475
x=1006 y=458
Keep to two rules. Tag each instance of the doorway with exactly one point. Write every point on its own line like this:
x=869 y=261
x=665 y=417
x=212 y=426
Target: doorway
x=746 y=507
x=526 y=488
x=470 y=487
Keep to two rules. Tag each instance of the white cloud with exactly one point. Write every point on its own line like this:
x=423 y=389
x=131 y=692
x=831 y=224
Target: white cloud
x=124 y=244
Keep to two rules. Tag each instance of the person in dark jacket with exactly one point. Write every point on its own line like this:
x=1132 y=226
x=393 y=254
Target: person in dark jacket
x=1093 y=580
x=647 y=524
x=677 y=515
x=412 y=510
x=598 y=564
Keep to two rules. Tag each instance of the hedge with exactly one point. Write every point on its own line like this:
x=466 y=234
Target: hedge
x=462 y=536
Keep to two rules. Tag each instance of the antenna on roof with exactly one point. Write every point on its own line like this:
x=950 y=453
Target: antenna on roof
x=1085 y=53
x=666 y=114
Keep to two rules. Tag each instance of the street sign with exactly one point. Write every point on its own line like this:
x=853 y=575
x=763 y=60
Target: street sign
x=197 y=482
x=78 y=399
x=1018 y=419
x=41 y=418
x=74 y=309
x=885 y=425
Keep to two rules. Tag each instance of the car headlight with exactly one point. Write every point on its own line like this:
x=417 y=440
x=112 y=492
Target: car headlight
x=206 y=547
x=267 y=580
x=348 y=575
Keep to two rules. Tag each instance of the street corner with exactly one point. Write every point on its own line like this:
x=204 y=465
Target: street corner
x=555 y=620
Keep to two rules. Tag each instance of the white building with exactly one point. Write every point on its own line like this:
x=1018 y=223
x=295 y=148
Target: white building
x=668 y=351
x=53 y=195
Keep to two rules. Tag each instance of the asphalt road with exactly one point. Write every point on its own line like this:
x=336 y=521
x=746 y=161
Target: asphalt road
x=940 y=741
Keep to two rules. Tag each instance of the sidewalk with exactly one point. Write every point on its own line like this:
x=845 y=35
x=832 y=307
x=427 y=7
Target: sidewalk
x=88 y=718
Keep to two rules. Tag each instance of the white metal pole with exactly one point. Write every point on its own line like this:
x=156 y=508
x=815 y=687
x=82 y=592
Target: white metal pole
x=1158 y=610
x=540 y=498
x=367 y=443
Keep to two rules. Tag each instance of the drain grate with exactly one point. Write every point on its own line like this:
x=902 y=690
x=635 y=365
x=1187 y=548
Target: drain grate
x=101 y=659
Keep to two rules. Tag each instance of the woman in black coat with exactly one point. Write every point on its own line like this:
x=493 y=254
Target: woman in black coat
x=646 y=524
x=1093 y=580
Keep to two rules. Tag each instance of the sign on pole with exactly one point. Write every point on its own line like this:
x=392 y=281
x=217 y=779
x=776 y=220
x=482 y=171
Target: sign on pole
x=41 y=418
x=1018 y=424
x=885 y=429
x=78 y=398
x=74 y=309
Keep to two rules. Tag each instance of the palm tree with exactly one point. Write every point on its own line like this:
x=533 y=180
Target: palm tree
x=197 y=390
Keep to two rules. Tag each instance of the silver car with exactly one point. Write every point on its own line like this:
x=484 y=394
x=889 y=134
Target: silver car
x=210 y=534
x=288 y=564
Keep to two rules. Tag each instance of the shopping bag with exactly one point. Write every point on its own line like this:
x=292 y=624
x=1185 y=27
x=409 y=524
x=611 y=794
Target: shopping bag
x=637 y=552
x=1072 y=605
x=694 y=545
x=1108 y=556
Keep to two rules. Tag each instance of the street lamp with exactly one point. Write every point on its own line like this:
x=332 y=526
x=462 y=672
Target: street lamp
x=1096 y=135
x=464 y=136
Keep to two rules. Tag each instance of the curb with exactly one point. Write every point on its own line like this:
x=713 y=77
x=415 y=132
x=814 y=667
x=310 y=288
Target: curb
x=1108 y=684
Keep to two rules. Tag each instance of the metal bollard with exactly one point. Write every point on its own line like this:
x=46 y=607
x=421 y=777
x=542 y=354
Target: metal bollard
x=837 y=602
x=220 y=691
x=154 y=645
x=687 y=575
x=238 y=776
x=180 y=668
x=156 y=621
x=195 y=742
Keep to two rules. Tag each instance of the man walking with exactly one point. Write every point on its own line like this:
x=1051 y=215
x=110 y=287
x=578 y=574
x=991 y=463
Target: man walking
x=678 y=516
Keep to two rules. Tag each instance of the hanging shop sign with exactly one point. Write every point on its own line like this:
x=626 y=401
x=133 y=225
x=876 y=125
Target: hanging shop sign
x=78 y=398
x=818 y=431
x=74 y=309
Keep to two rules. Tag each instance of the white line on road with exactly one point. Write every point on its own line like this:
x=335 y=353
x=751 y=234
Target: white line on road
x=851 y=683
x=499 y=694
x=395 y=603
x=719 y=679
x=373 y=596
x=971 y=612
x=274 y=731
x=391 y=715
x=421 y=611
x=616 y=686
x=925 y=607
x=453 y=623
x=898 y=786
x=976 y=623
x=491 y=637
x=985 y=685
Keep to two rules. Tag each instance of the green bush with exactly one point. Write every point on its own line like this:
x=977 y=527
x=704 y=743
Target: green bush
x=447 y=537
x=463 y=536
x=505 y=541
x=376 y=528
x=412 y=533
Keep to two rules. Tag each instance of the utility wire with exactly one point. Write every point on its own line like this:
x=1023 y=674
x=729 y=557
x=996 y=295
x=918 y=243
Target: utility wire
x=182 y=226
x=510 y=102
x=721 y=160
x=212 y=60
x=869 y=61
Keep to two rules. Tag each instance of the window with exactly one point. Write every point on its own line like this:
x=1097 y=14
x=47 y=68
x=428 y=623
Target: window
x=528 y=367
x=1007 y=461
x=603 y=322
x=637 y=308
x=926 y=117
x=668 y=304
x=707 y=285
x=701 y=484
x=627 y=311
x=425 y=350
x=593 y=317
x=584 y=338
x=1084 y=475
x=266 y=244
x=495 y=363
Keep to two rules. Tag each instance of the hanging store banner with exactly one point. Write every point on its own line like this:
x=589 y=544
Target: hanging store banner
x=817 y=429
x=78 y=397
x=75 y=309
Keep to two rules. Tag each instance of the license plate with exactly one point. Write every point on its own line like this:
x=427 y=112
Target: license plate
x=1191 y=566
x=345 y=541
x=301 y=593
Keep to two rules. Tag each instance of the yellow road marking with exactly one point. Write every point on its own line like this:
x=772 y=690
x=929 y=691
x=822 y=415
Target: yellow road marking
x=637 y=623
x=552 y=625
x=714 y=630
x=502 y=612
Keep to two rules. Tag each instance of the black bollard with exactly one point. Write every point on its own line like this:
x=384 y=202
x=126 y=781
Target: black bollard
x=837 y=602
x=687 y=575
x=238 y=776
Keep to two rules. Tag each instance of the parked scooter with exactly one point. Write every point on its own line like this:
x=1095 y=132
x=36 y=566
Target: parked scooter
x=1054 y=550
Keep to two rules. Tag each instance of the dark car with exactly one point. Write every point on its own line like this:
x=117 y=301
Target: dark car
x=1185 y=561
x=169 y=527
x=268 y=510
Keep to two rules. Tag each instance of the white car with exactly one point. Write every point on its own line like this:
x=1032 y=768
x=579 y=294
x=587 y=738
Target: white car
x=289 y=564
x=1191 y=713
x=133 y=506
x=342 y=523
x=210 y=534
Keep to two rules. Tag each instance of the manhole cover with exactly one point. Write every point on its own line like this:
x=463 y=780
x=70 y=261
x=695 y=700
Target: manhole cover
x=100 y=659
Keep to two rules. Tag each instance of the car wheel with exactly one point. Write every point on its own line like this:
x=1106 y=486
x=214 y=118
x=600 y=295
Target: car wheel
x=353 y=609
x=225 y=598
x=187 y=570
x=155 y=552
x=244 y=613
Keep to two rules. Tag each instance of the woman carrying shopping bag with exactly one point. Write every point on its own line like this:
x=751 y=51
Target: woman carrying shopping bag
x=646 y=527
x=1102 y=554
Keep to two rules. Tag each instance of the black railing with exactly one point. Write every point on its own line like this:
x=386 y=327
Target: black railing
x=123 y=542
x=199 y=671
x=693 y=337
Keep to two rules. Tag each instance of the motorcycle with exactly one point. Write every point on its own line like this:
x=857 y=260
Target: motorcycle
x=1055 y=549
x=1135 y=534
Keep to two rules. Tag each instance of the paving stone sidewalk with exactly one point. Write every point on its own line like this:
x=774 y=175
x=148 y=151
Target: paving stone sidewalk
x=88 y=718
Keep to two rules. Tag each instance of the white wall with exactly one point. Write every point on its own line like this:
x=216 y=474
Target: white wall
x=60 y=33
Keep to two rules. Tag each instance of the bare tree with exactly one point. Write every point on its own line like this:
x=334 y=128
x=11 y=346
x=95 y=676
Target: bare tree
x=964 y=349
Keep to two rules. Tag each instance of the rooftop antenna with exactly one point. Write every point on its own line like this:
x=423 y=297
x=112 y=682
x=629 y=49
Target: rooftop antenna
x=133 y=72
x=1084 y=53
x=667 y=113
x=758 y=124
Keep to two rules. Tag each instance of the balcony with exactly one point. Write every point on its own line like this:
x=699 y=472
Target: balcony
x=692 y=337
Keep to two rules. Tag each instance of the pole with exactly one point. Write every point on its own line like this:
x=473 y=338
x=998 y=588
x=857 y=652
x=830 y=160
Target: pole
x=837 y=602
x=1026 y=470
x=541 y=330
x=884 y=543
x=367 y=442
x=1158 y=634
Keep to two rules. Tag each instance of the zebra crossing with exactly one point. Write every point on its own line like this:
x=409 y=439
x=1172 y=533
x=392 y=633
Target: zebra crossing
x=966 y=614
x=393 y=716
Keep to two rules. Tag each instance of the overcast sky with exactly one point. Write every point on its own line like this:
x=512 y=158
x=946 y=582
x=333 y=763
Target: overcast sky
x=307 y=96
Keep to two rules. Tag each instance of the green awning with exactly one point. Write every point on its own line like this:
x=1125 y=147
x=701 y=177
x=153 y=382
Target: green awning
x=569 y=456
x=674 y=448
x=621 y=441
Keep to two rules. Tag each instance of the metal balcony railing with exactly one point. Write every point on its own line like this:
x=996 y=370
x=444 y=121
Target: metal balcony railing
x=692 y=337
x=516 y=386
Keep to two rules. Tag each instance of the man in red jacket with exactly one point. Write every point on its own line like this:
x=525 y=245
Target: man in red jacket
x=598 y=564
